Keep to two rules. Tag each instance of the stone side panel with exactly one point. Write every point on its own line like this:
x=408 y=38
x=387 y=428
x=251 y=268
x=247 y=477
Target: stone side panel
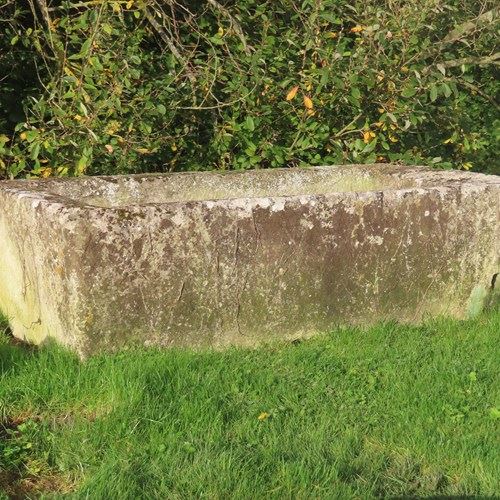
x=243 y=271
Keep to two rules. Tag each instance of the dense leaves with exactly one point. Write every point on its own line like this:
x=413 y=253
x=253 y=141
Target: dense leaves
x=131 y=86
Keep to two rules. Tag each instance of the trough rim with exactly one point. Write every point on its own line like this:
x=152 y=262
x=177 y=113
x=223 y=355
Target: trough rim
x=446 y=180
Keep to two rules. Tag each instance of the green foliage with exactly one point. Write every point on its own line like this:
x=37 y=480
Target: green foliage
x=391 y=412
x=133 y=86
x=16 y=445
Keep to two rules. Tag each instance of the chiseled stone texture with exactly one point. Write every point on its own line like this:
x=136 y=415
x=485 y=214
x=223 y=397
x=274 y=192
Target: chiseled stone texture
x=210 y=258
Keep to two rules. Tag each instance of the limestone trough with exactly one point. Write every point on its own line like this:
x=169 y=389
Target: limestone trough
x=213 y=259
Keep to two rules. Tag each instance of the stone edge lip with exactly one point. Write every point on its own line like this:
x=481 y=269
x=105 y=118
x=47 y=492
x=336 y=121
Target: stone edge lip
x=33 y=189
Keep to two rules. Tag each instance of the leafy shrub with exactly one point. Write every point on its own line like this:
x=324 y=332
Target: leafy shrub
x=161 y=85
x=16 y=444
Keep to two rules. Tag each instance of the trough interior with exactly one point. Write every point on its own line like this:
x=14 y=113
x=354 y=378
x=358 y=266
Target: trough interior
x=195 y=186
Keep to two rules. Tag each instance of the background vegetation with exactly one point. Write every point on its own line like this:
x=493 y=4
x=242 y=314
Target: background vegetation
x=105 y=86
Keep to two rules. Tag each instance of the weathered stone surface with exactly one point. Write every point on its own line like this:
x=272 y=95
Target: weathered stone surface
x=214 y=259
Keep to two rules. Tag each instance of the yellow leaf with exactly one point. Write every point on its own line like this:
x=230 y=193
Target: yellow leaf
x=23 y=136
x=308 y=102
x=45 y=172
x=109 y=148
x=467 y=165
x=220 y=32
x=448 y=140
x=173 y=147
x=368 y=136
x=78 y=118
x=292 y=93
x=309 y=86
x=393 y=138
x=143 y=151
x=116 y=7
x=129 y=4
x=381 y=110
x=81 y=165
x=263 y=416
x=357 y=29
x=331 y=34
x=112 y=127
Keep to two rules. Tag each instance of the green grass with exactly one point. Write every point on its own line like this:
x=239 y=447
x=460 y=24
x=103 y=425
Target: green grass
x=392 y=411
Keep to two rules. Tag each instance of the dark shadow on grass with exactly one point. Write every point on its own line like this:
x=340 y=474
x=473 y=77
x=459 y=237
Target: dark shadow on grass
x=13 y=352
x=13 y=356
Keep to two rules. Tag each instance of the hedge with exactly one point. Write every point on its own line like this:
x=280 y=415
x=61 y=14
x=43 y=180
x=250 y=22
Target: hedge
x=100 y=87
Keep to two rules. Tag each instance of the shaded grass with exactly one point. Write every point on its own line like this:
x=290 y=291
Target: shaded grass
x=391 y=411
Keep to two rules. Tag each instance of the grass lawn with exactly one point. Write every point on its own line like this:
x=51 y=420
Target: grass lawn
x=392 y=411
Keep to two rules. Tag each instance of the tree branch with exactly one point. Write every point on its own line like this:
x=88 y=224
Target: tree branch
x=474 y=61
x=77 y=5
x=347 y=128
x=42 y=5
x=480 y=92
x=467 y=27
x=53 y=39
x=234 y=23
x=457 y=34
x=170 y=44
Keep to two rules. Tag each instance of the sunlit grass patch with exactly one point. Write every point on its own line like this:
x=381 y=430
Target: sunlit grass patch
x=394 y=410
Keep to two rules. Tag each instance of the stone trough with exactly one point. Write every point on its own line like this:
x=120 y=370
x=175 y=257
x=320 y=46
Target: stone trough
x=213 y=259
